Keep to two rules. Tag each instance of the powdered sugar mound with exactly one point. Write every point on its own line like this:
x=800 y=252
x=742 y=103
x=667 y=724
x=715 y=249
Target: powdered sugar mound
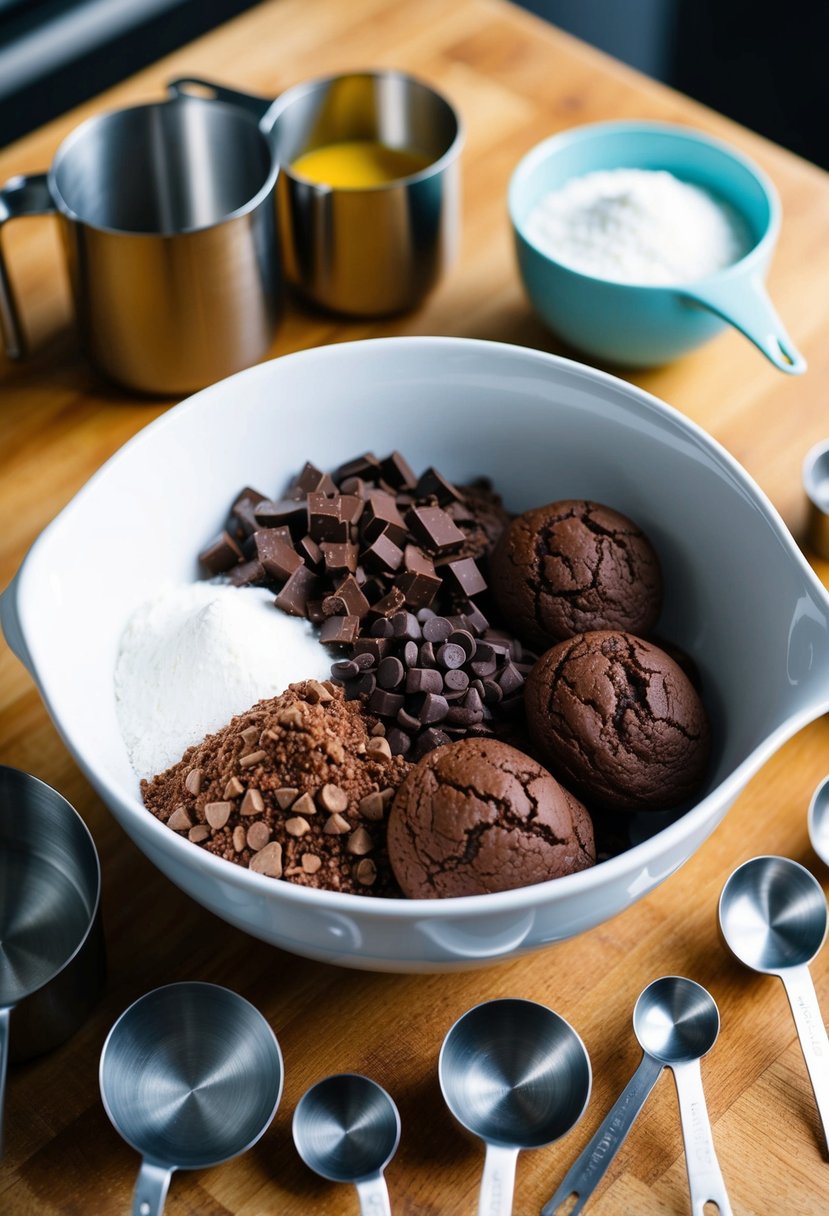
x=193 y=656
x=638 y=226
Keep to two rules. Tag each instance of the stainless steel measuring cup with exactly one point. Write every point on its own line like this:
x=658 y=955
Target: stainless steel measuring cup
x=166 y=214
x=191 y=1075
x=367 y=251
x=346 y=1128
x=51 y=940
x=515 y=1074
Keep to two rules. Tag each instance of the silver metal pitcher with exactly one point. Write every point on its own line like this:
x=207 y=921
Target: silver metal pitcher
x=364 y=251
x=167 y=219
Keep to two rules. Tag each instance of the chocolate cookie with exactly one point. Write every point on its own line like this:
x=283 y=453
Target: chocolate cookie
x=619 y=721
x=478 y=816
x=575 y=566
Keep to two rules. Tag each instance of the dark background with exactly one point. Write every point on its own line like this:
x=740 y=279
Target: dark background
x=764 y=65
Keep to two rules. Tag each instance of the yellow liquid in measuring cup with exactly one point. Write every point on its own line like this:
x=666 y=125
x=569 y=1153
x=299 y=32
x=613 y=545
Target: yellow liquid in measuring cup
x=356 y=164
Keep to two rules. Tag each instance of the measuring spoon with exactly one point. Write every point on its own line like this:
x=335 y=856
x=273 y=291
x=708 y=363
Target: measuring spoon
x=191 y=1075
x=518 y=1076
x=346 y=1129
x=818 y=819
x=773 y=918
x=676 y=1022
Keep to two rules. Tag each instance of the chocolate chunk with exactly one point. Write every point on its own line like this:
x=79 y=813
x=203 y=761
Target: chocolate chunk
x=339 y=630
x=301 y=587
x=351 y=508
x=382 y=555
x=380 y=514
x=347 y=599
x=246 y=574
x=377 y=647
x=242 y=521
x=433 y=484
x=339 y=557
x=434 y=530
x=419 y=589
x=287 y=512
x=392 y=602
x=278 y=559
x=220 y=554
x=367 y=466
x=396 y=472
x=311 y=480
x=310 y=552
x=324 y=519
x=466 y=576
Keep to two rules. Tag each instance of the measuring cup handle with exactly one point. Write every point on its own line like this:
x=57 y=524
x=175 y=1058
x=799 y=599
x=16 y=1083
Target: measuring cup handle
x=812 y=1034
x=744 y=303
x=374 y=1196
x=195 y=86
x=592 y=1164
x=705 y=1180
x=20 y=196
x=151 y=1187
x=498 y=1181
x=5 y=1016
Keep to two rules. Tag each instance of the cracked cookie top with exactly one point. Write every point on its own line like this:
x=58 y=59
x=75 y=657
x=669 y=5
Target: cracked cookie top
x=478 y=816
x=575 y=566
x=616 y=716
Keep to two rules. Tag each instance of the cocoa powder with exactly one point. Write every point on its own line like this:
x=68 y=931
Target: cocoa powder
x=296 y=774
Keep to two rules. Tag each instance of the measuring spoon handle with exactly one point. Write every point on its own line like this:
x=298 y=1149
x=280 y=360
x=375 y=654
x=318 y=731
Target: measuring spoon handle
x=5 y=1016
x=374 y=1196
x=812 y=1034
x=591 y=1165
x=705 y=1179
x=498 y=1181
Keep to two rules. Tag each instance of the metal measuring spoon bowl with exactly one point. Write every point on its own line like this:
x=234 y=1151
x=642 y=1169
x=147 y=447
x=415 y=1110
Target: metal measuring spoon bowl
x=346 y=1128
x=515 y=1074
x=773 y=917
x=818 y=821
x=191 y=1075
x=51 y=941
x=816 y=485
x=676 y=1022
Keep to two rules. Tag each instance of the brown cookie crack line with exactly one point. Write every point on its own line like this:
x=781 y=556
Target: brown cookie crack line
x=478 y=816
x=619 y=721
x=574 y=566
x=298 y=788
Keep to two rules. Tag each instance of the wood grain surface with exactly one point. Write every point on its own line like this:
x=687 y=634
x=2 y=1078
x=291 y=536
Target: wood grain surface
x=514 y=81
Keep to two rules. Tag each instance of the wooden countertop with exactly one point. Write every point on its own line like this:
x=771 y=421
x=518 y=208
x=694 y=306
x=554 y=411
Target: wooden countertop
x=515 y=81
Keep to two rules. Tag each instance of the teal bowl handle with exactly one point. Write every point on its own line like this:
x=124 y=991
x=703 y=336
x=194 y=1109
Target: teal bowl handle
x=744 y=303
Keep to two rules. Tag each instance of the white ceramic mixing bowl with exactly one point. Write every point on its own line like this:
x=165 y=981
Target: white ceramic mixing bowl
x=739 y=597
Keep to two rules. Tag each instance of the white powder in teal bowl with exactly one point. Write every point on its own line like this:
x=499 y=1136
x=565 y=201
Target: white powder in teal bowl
x=638 y=226
x=195 y=655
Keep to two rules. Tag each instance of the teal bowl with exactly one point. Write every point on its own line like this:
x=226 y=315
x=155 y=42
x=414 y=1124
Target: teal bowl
x=645 y=326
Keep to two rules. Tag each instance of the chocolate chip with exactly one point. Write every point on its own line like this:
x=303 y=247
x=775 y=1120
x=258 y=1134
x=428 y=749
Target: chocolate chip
x=386 y=704
x=297 y=825
x=344 y=669
x=433 y=709
x=252 y=803
x=379 y=747
x=410 y=654
x=399 y=741
x=451 y=655
x=390 y=672
x=426 y=655
x=407 y=721
x=268 y=860
x=233 y=788
x=332 y=798
x=371 y=806
x=359 y=842
x=510 y=679
x=336 y=825
x=304 y=805
x=456 y=680
x=192 y=782
x=311 y=863
x=198 y=833
x=423 y=679
x=365 y=872
x=437 y=629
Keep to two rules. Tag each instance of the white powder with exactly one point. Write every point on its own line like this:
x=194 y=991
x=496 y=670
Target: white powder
x=638 y=226
x=193 y=656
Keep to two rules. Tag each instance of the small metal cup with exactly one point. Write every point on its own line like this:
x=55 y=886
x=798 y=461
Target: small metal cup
x=373 y=251
x=167 y=218
x=816 y=485
x=52 y=961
